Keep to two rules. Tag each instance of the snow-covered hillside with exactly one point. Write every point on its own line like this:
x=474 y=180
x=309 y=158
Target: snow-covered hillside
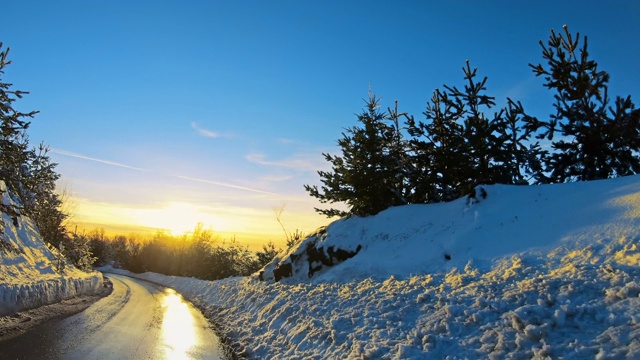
x=28 y=277
x=527 y=272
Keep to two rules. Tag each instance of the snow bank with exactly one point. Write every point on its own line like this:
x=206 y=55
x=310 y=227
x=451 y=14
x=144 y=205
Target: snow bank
x=18 y=297
x=422 y=239
x=27 y=267
x=529 y=272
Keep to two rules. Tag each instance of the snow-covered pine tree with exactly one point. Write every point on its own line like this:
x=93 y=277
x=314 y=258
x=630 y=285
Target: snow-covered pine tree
x=27 y=172
x=44 y=205
x=365 y=177
x=14 y=152
x=31 y=175
x=596 y=140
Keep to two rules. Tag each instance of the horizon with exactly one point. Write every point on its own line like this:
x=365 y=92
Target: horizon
x=167 y=115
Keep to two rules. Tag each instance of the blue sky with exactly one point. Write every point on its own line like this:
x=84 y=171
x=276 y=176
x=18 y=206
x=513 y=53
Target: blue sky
x=167 y=113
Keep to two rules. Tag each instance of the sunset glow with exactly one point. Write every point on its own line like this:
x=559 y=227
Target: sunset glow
x=247 y=226
x=177 y=218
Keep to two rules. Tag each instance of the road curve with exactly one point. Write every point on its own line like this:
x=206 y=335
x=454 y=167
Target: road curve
x=139 y=320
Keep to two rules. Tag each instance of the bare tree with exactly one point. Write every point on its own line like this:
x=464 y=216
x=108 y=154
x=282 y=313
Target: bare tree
x=292 y=238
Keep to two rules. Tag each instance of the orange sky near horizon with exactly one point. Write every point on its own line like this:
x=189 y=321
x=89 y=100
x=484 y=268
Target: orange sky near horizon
x=253 y=229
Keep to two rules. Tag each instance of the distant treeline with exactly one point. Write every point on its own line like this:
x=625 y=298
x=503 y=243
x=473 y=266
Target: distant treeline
x=200 y=253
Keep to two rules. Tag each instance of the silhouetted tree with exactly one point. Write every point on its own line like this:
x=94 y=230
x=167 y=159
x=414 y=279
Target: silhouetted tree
x=458 y=147
x=519 y=160
x=477 y=131
x=596 y=140
x=437 y=147
x=99 y=247
x=367 y=177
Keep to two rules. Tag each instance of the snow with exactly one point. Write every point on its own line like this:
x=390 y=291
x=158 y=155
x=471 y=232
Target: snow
x=28 y=278
x=534 y=272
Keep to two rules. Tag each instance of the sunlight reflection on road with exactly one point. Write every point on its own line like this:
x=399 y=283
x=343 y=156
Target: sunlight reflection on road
x=177 y=326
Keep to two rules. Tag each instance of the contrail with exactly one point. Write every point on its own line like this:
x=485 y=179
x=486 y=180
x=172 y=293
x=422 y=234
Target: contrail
x=226 y=185
x=80 y=156
x=204 y=132
x=113 y=163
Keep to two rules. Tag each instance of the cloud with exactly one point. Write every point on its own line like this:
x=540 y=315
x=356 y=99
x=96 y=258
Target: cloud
x=205 y=132
x=84 y=157
x=297 y=162
x=275 y=178
x=285 y=141
x=217 y=183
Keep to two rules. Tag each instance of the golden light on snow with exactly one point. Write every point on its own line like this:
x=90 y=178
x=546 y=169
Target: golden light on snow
x=631 y=202
x=178 y=333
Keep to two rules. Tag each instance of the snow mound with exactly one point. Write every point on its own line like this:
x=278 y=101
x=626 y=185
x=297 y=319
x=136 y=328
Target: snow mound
x=28 y=278
x=507 y=220
x=529 y=272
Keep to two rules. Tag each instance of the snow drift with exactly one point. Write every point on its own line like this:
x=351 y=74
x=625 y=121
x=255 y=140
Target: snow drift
x=529 y=272
x=421 y=239
x=27 y=267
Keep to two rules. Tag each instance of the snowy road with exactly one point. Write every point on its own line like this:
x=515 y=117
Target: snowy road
x=139 y=320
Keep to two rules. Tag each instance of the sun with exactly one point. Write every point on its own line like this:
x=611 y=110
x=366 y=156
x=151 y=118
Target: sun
x=177 y=218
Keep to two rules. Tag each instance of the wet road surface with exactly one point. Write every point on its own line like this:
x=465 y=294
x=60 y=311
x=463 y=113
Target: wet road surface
x=139 y=320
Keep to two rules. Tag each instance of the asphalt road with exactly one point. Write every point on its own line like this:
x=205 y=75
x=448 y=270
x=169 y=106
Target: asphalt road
x=139 y=320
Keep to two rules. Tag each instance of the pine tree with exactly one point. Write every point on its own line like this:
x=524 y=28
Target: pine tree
x=519 y=160
x=28 y=172
x=597 y=140
x=366 y=177
x=437 y=147
x=477 y=130
x=42 y=204
x=78 y=251
x=14 y=152
x=398 y=161
x=31 y=175
x=459 y=147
